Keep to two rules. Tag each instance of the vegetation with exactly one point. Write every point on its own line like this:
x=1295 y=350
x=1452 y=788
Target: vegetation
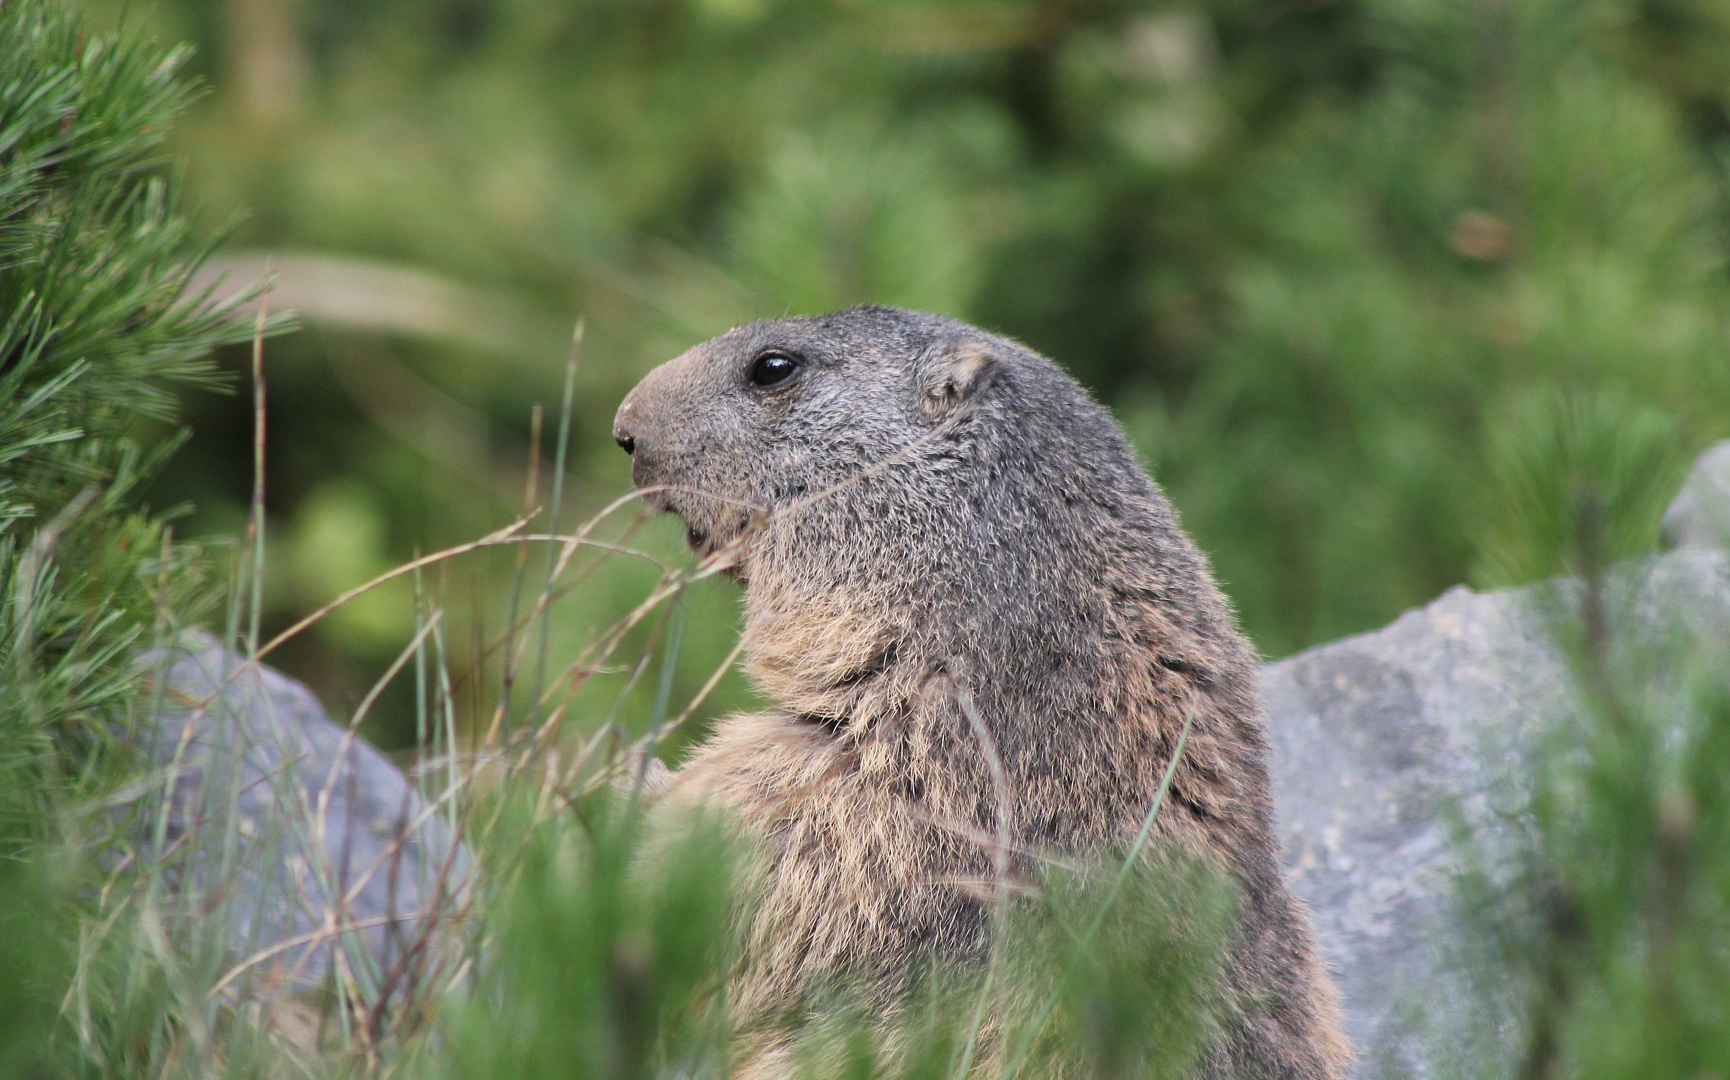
x=96 y=326
x=1391 y=295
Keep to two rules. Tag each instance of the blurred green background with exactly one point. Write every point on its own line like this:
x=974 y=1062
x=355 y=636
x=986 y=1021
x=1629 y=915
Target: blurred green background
x=1323 y=257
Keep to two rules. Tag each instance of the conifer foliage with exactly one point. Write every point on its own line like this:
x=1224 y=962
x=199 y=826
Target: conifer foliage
x=95 y=324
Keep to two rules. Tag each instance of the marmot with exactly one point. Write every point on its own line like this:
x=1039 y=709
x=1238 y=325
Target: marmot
x=924 y=512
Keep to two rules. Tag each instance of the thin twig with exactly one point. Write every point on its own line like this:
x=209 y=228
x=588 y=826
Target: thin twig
x=555 y=506
x=493 y=539
x=513 y=656
x=999 y=868
x=255 y=523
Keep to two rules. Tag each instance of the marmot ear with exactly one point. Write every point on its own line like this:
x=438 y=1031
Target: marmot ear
x=954 y=371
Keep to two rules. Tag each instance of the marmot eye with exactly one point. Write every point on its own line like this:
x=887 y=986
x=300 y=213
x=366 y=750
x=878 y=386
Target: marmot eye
x=772 y=368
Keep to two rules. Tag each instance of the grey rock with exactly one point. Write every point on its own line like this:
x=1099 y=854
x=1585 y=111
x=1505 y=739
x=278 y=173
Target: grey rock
x=1699 y=516
x=284 y=837
x=1386 y=742
x=1377 y=739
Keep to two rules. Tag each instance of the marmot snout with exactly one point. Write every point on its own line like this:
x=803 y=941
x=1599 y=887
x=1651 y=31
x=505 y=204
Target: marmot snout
x=907 y=499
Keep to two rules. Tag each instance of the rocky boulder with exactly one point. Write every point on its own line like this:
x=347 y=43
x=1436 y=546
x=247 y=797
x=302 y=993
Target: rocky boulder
x=1383 y=739
x=285 y=837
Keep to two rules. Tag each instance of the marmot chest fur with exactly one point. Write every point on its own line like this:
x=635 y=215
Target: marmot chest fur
x=939 y=532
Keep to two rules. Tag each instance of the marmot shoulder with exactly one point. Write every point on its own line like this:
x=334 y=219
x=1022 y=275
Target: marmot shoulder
x=929 y=519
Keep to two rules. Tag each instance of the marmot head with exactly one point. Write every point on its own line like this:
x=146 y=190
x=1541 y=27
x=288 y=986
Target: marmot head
x=892 y=484
x=772 y=414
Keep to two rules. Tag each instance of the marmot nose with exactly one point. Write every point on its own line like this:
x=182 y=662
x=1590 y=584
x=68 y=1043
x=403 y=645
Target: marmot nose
x=626 y=441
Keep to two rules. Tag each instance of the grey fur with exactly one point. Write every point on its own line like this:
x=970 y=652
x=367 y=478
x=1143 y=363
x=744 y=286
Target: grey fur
x=924 y=513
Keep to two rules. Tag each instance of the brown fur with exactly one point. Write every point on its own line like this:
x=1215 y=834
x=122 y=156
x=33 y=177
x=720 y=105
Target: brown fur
x=927 y=516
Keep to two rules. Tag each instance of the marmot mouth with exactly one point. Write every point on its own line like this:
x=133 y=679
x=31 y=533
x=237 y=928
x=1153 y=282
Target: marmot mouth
x=707 y=545
x=660 y=499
